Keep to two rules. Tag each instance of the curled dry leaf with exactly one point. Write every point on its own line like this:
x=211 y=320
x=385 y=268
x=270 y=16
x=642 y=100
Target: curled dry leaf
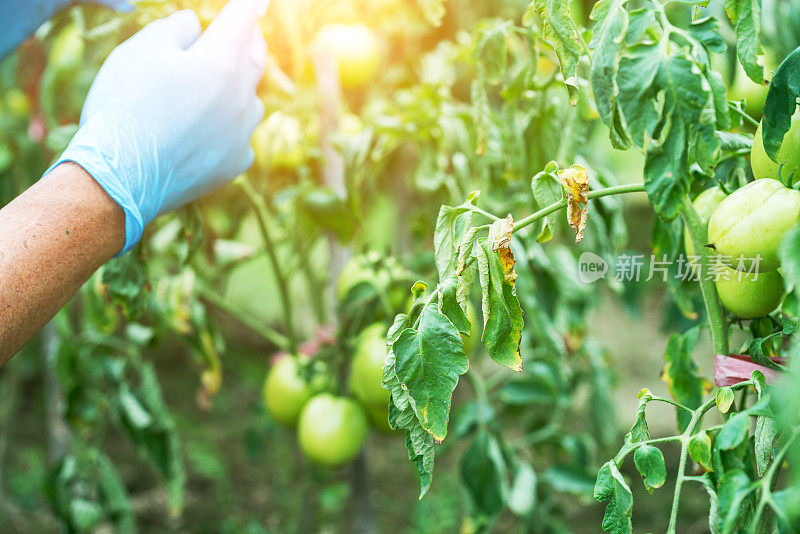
x=500 y=239
x=576 y=183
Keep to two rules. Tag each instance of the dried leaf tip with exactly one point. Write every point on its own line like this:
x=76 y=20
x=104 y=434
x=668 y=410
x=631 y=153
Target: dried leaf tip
x=500 y=239
x=576 y=183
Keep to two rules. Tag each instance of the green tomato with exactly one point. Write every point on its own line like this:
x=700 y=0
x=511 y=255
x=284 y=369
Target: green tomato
x=278 y=143
x=705 y=204
x=788 y=155
x=752 y=221
x=750 y=295
x=366 y=369
x=285 y=392
x=332 y=429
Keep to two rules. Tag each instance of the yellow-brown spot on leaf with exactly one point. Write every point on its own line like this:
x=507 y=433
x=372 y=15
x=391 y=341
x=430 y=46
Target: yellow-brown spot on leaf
x=576 y=183
x=500 y=238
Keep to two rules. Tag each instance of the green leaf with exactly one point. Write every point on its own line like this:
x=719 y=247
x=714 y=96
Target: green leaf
x=611 y=26
x=449 y=305
x=765 y=431
x=491 y=51
x=681 y=374
x=611 y=487
x=724 y=399
x=546 y=190
x=85 y=515
x=781 y=103
x=746 y=16
x=790 y=256
x=650 y=463
x=483 y=472
x=521 y=496
x=502 y=314
x=561 y=33
x=733 y=489
x=419 y=443
x=428 y=361
x=700 y=449
x=733 y=432
x=451 y=225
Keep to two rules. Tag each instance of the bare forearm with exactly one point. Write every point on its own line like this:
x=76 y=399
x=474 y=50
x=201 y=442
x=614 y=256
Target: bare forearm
x=52 y=238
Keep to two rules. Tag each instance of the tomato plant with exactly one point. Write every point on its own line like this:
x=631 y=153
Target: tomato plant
x=480 y=154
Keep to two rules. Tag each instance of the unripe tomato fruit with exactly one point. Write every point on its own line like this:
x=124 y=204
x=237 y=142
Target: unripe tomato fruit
x=705 y=204
x=788 y=155
x=285 y=392
x=331 y=429
x=278 y=143
x=752 y=222
x=356 y=49
x=366 y=369
x=754 y=295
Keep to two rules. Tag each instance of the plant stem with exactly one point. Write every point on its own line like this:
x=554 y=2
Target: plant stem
x=598 y=193
x=744 y=115
x=698 y=231
x=260 y=208
x=243 y=317
x=476 y=209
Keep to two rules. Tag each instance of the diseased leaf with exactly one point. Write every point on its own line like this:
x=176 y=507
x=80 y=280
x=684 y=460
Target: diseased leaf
x=502 y=314
x=451 y=225
x=700 y=450
x=724 y=399
x=428 y=361
x=611 y=487
x=649 y=462
x=576 y=184
x=561 y=33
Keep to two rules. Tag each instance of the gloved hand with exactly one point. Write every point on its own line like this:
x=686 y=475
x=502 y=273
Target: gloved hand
x=20 y=18
x=171 y=112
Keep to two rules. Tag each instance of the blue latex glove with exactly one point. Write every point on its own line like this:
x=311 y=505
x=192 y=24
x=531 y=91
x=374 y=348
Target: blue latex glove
x=171 y=112
x=20 y=18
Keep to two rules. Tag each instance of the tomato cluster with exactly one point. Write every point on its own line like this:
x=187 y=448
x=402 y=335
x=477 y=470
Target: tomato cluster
x=745 y=230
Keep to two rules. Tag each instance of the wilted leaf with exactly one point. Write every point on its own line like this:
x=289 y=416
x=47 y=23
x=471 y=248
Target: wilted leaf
x=576 y=183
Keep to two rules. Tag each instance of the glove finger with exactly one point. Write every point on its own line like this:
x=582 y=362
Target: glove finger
x=229 y=33
x=179 y=30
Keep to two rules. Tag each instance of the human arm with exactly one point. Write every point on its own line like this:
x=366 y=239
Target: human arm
x=168 y=119
x=52 y=238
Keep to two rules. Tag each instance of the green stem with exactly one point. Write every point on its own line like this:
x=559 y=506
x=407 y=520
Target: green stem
x=697 y=416
x=698 y=231
x=243 y=317
x=260 y=208
x=491 y=216
x=598 y=193
x=744 y=115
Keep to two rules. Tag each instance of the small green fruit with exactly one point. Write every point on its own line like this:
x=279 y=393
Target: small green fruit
x=750 y=295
